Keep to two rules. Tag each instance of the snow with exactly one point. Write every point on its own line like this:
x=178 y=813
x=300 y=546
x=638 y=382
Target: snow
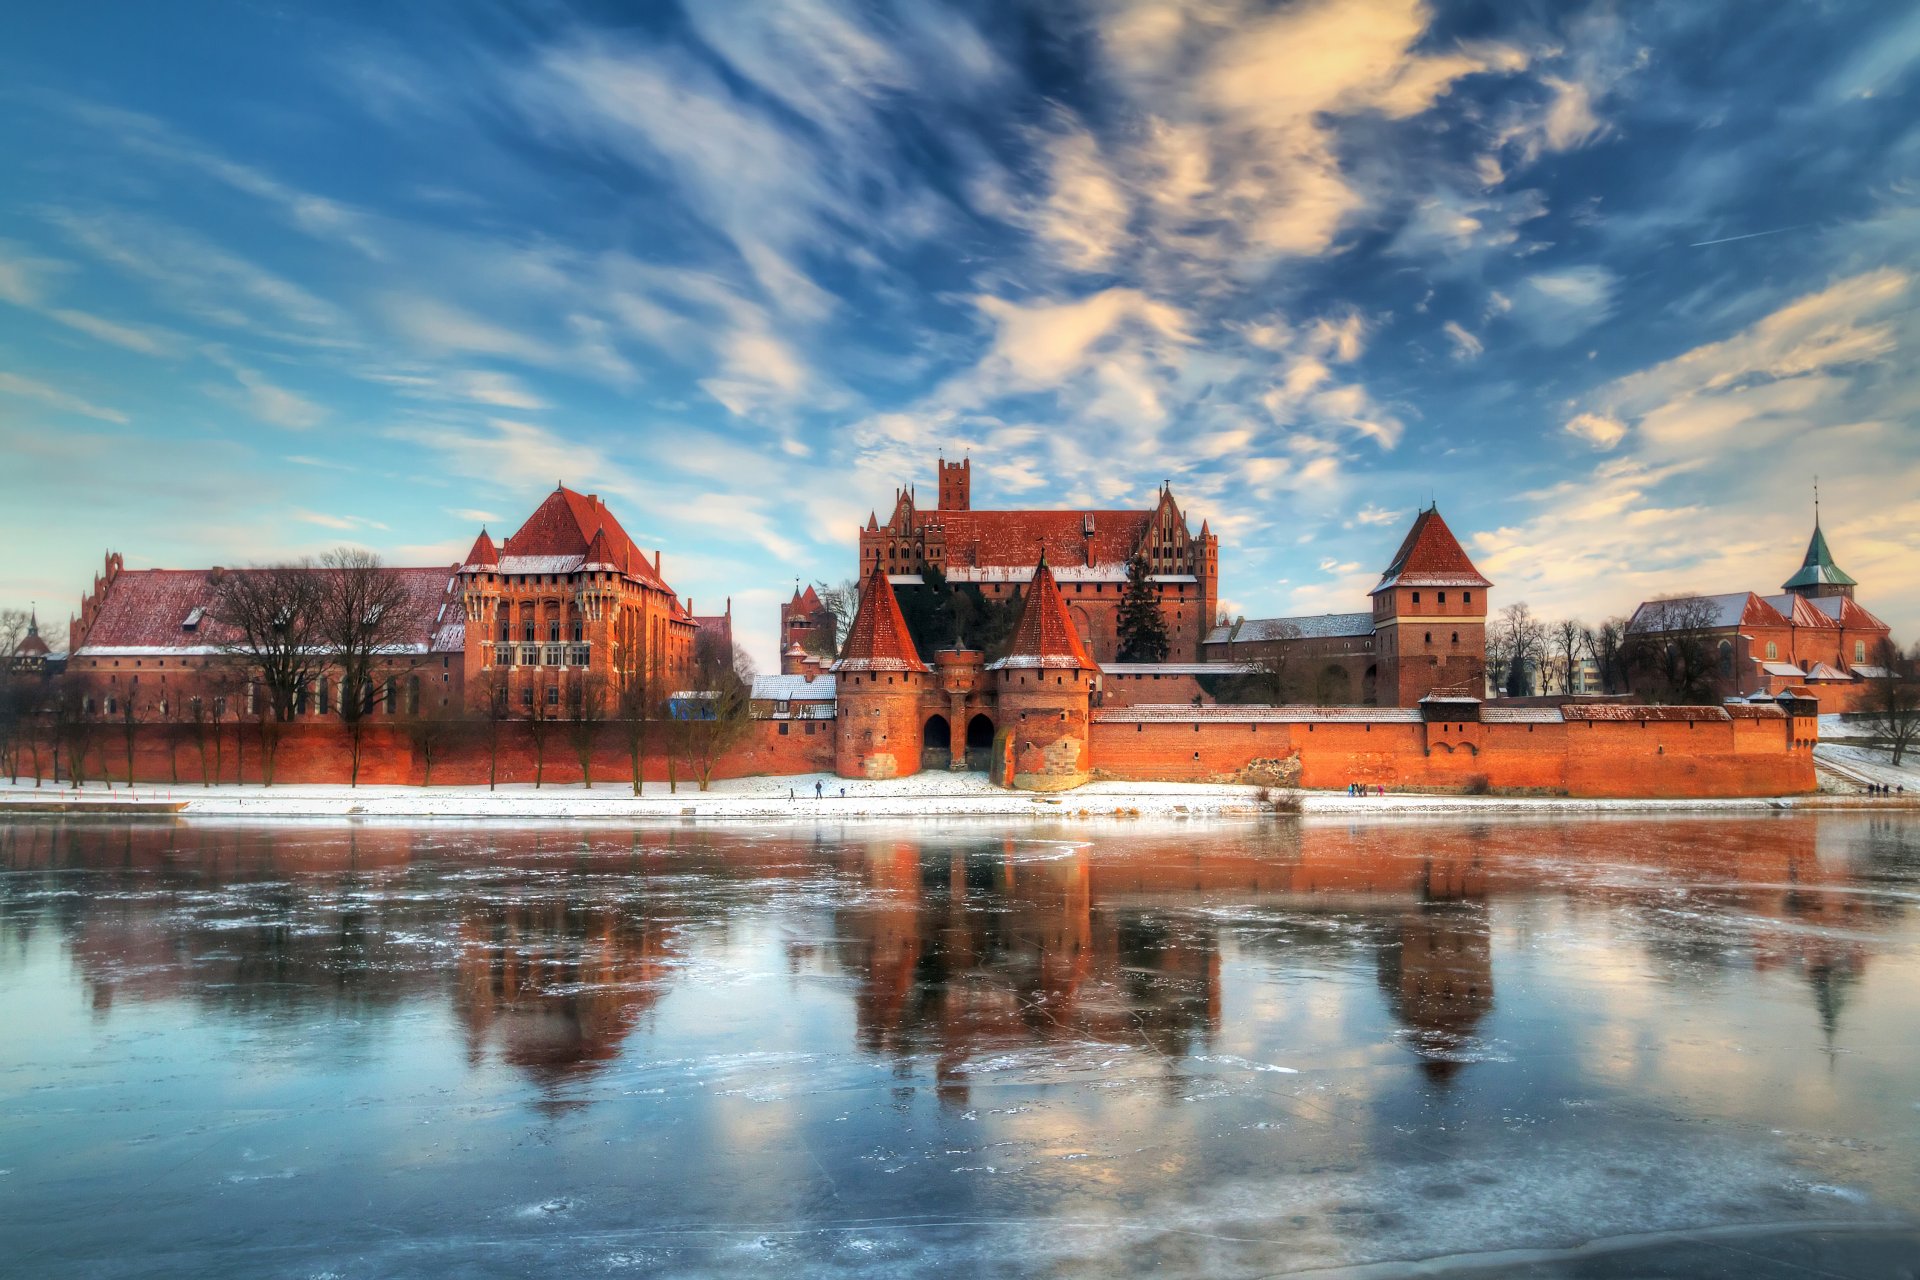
x=928 y=794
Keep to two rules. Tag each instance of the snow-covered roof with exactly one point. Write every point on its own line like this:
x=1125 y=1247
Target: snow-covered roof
x=539 y=564
x=1866 y=672
x=1061 y=573
x=1786 y=669
x=1492 y=714
x=1822 y=671
x=772 y=688
x=1315 y=626
x=1179 y=668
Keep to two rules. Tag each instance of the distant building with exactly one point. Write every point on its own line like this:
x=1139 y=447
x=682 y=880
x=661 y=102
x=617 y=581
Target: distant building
x=1814 y=634
x=1426 y=631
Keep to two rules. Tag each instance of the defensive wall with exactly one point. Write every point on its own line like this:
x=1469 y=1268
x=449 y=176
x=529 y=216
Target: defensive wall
x=1575 y=750
x=1588 y=751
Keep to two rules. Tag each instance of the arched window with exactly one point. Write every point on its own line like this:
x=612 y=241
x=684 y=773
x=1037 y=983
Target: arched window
x=1859 y=650
x=413 y=695
x=1726 y=659
x=1773 y=651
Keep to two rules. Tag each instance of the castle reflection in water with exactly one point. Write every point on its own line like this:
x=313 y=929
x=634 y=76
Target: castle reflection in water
x=553 y=946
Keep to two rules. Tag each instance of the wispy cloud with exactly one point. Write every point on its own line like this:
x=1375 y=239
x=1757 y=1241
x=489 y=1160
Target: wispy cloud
x=13 y=384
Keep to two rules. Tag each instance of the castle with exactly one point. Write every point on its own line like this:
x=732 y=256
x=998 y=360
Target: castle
x=1392 y=695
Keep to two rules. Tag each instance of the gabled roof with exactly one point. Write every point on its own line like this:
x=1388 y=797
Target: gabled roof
x=483 y=555
x=1045 y=635
x=1821 y=671
x=1817 y=568
x=1430 y=556
x=168 y=611
x=804 y=602
x=1733 y=609
x=1847 y=613
x=561 y=536
x=1800 y=611
x=878 y=640
x=1315 y=626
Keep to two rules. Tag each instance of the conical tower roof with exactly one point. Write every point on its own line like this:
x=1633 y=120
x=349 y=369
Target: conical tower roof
x=1046 y=636
x=1818 y=568
x=1430 y=556
x=484 y=552
x=878 y=639
x=32 y=646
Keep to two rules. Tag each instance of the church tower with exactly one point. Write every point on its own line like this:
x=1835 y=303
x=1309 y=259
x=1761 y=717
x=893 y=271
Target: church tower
x=878 y=683
x=1429 y=618
x=956 y=485
x=1819 y=575
x=1045 y=694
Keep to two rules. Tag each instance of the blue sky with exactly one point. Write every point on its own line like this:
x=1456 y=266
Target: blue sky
x=1609 y=282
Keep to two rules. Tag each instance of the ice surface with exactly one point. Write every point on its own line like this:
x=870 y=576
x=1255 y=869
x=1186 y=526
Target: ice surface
x=1228 y=1049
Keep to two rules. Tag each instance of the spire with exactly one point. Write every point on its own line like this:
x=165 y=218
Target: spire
x=1817 y=568
x=484 y=553
x=878 y=640
x=1046 y=636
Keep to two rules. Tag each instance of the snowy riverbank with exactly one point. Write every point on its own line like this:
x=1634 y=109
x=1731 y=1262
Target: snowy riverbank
x=793 y=798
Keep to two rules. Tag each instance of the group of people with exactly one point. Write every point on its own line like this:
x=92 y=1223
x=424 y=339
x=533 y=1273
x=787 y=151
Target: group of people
x=1882 y=789
x=1361 y=789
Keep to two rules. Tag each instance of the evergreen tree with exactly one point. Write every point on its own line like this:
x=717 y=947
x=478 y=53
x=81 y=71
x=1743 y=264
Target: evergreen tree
x=1142 y=631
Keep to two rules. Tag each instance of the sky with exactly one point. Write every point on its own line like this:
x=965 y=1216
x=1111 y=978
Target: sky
x=1610 y=283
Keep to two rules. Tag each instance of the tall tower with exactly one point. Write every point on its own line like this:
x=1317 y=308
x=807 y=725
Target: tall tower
x=956 y=485
x=878 y=684
x=1429 y=618
x=1045 y=695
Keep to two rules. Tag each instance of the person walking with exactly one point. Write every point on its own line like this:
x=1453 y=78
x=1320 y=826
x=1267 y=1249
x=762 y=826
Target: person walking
x=818 y=788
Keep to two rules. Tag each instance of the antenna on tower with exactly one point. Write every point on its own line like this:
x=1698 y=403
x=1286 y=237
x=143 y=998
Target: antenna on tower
x=1816 y=502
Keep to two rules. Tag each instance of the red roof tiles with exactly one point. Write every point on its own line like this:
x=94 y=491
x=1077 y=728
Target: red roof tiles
x=1046 y=636
x=483 y=553
x=980 y=538
x=568 y=524
x=147 y=610
x=878 y=639
x=1430 y=556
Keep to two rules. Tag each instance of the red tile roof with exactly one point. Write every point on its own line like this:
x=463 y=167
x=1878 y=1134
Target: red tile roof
x=483 y=553
x=146 y=611
x=878 y=639
x=980 y=538
x=1430 y=556
x=568 y=524
x=1045 y=635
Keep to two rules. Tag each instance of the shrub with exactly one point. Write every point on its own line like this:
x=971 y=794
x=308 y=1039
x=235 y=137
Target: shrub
x=1478 y=785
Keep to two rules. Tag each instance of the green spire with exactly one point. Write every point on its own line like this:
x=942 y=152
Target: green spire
x=1818 y=569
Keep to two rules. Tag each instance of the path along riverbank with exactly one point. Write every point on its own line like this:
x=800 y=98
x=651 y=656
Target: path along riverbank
x=795 y=798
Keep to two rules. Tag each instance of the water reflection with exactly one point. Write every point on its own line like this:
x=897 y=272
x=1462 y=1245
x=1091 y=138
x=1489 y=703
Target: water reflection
x=551 y=946
x=1209 y=1050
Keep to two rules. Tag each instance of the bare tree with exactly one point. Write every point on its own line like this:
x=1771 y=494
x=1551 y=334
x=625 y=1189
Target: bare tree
x=15 y=689
x=1892 y=703
x=270 y=619
x=74 y=729
x=365 y=624
x=1499 y=660
x=1569 y=642
x=432 y=731
x=492 y=711
x=636 y=709
x=129 y=714
x=717 y=715
x=1525 y=642
x=840 y=603
x=1673 y=644
x=1270 y=678
x=1605 y=645
x=586 y=719
x=536 y=722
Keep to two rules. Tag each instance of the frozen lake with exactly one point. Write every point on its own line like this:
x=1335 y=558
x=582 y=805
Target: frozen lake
x=1591 y=1046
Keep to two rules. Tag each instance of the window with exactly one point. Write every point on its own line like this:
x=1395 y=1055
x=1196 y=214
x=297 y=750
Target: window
x=553 y=631
x=578 y=655
x=1429 y=638
x=113 y=705
x=1443 y=597
x=526 y=628
x=1456 y=637
x=529 y=653
x=324 y=703
x=1466 y=597
x=526 y=696
x=553 y=695
x=1859 y=650
x=577 y=634
x=784 y=726
x=1773 y=651
x=413 y=695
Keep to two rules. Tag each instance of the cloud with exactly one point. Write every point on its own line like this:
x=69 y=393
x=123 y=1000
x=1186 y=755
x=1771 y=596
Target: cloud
x=1555 y=307
x=483 y=386
x=1465 y=345
x=1597 y=429
x=145 y=339
x=265 y=399
x=14 y=385
x=343 y=523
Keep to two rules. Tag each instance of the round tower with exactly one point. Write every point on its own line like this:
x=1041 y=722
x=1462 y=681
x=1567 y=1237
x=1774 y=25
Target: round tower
x=1044 y=688
x=878 y=685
